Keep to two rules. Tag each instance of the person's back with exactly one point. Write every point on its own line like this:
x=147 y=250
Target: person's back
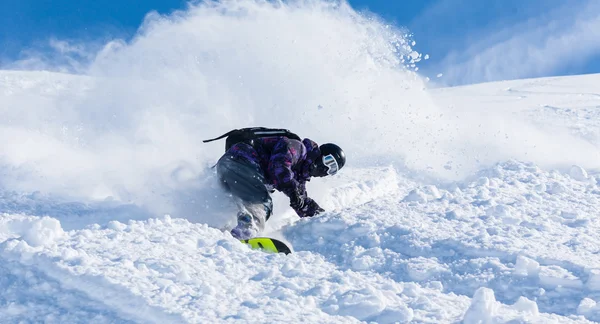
x=280 y=158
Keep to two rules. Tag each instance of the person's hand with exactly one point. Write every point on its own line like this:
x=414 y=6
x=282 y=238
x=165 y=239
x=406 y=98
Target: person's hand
x=296 y=202
x=310 y=208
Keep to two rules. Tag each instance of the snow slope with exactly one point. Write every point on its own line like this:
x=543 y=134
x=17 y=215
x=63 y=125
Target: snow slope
x=474 y=204
x=512 y=241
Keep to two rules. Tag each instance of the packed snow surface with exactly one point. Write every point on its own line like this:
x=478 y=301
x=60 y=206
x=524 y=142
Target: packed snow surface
x=475 y=204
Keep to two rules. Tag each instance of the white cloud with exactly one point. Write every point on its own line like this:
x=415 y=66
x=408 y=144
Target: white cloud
x=537 y=47
x=56 y=55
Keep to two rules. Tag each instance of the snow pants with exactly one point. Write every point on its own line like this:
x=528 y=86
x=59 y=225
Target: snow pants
x=246 y=181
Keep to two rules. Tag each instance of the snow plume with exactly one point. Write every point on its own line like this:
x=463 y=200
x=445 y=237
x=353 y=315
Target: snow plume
x=131 y=127
x=320 y=69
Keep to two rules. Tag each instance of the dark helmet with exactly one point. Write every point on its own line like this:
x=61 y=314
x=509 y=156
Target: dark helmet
x=336 y=151
x=332 y=159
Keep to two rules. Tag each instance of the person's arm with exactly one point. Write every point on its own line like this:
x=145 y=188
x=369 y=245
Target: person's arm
x=285 y=155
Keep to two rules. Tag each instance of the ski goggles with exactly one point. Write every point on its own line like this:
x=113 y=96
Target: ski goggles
x=331 y=164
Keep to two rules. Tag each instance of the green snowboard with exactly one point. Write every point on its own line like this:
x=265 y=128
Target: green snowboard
x=267 y=244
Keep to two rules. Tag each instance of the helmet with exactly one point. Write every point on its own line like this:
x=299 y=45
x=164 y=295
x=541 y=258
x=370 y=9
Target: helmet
x=334 y=150
x=332 y=159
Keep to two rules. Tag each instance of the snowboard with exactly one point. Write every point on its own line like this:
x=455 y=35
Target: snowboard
x=267 y=244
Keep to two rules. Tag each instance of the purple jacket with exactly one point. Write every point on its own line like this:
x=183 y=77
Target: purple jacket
x=285 y=162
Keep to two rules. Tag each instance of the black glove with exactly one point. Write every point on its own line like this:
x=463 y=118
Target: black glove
x=310 y=208
x=296 y=201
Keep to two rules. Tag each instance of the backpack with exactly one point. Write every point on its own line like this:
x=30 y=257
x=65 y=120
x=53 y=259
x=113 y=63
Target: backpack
x=248 y=135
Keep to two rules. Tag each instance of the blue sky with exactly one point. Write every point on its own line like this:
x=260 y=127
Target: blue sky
x=468 y=41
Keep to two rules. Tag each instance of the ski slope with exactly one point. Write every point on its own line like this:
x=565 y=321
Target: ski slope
x=474 y=204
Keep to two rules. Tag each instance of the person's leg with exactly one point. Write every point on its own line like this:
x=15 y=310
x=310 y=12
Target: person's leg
x=245 y=181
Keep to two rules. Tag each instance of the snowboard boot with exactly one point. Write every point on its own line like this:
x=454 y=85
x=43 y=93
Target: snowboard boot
x=246 y=227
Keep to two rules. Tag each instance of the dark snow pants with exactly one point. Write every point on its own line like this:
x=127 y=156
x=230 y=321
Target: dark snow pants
x=246 y=181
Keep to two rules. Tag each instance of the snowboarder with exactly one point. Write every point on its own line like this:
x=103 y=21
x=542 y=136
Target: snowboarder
x=260 y=160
